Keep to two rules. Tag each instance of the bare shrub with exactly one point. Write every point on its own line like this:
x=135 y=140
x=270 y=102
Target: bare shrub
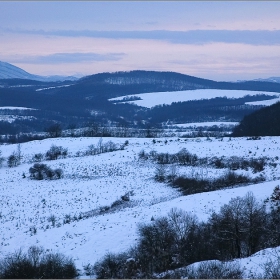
x=143 y=155
x=36 y=264
x=92 y=150
x=52 y=219
x=38 y=157
x=2 y=159
x=112 y=266
x=13 y=160
x=16 y=266
x=57 y=266
x=160 y=173
x=41 y=171
x=56 y=152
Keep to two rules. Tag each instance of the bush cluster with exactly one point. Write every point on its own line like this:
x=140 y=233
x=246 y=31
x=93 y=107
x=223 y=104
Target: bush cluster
x=234 y=163
x=56 y=152
x=36 y=264
x=40 y=171
x=241 y=228
x=193 y=185
x=184 y=157
x=101 y=147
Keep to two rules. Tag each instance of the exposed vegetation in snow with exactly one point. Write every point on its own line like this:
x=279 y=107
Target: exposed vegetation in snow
x=108 y=186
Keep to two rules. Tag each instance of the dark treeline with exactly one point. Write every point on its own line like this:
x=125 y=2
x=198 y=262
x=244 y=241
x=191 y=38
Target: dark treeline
x=264 y=122
x=241 y=228
x=205 y=110
x=72 y=112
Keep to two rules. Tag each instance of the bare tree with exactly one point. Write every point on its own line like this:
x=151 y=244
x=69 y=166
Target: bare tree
x=240 y=227
x=54 y=130
x=2 y=159
x=160 y=173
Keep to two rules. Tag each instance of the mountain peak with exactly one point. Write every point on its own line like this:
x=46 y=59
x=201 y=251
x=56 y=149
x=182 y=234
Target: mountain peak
x=9 y=71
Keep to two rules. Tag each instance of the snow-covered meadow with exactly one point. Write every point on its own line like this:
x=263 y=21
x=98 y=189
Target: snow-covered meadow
x=152 y=99
x=63 y=215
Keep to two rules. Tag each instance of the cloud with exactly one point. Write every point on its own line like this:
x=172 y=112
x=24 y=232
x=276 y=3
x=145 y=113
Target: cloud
x=256 y=37
x=58 y=58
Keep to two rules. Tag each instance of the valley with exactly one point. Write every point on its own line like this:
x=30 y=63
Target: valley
x=88 y=165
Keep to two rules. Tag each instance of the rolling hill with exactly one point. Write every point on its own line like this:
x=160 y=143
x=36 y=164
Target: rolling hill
x=87 y=100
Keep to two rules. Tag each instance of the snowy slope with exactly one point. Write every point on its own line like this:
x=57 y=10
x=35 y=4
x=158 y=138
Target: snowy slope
x=96 y=181
x=264 y=102
x=152 y=99
x=10 y=114
x=203 y=124
x=271 y=79
x=9 y=71
x=15 y=108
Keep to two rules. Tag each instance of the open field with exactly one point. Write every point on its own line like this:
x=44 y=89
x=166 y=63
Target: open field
x=65 y=215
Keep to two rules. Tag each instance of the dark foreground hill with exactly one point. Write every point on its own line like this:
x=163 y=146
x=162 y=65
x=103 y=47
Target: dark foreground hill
x=263 y=122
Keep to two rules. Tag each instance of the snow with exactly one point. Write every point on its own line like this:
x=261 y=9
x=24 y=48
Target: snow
x=96 y=181
x=264 y=102
x=15 y=108
x=40 y=89
x=203 y=124
x=152 y=99
x=12 y=118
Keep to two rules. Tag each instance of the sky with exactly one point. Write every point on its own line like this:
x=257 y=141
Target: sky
x=218 y=40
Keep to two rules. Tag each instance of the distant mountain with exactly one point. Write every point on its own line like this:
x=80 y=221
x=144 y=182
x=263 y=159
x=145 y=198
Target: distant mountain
x=271 y=79
x=9 y=71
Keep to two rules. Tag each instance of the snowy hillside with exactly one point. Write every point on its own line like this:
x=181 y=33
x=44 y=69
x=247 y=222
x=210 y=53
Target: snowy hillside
x=271 y=79
x=10 y=114
x=9 y=71
x=264 y=102
x=152 y=99
x=65 y=215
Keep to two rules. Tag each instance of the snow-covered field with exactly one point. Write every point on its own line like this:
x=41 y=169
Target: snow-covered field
x=264 y=102
x=12 y=118
x=91 y=182
x=15 y=108
x=205 y=124
x=40 y=89
x=152 y=99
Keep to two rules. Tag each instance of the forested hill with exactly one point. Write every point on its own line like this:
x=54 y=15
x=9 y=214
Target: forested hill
x=171 y=81
x=263 y=122
x=87 y=99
